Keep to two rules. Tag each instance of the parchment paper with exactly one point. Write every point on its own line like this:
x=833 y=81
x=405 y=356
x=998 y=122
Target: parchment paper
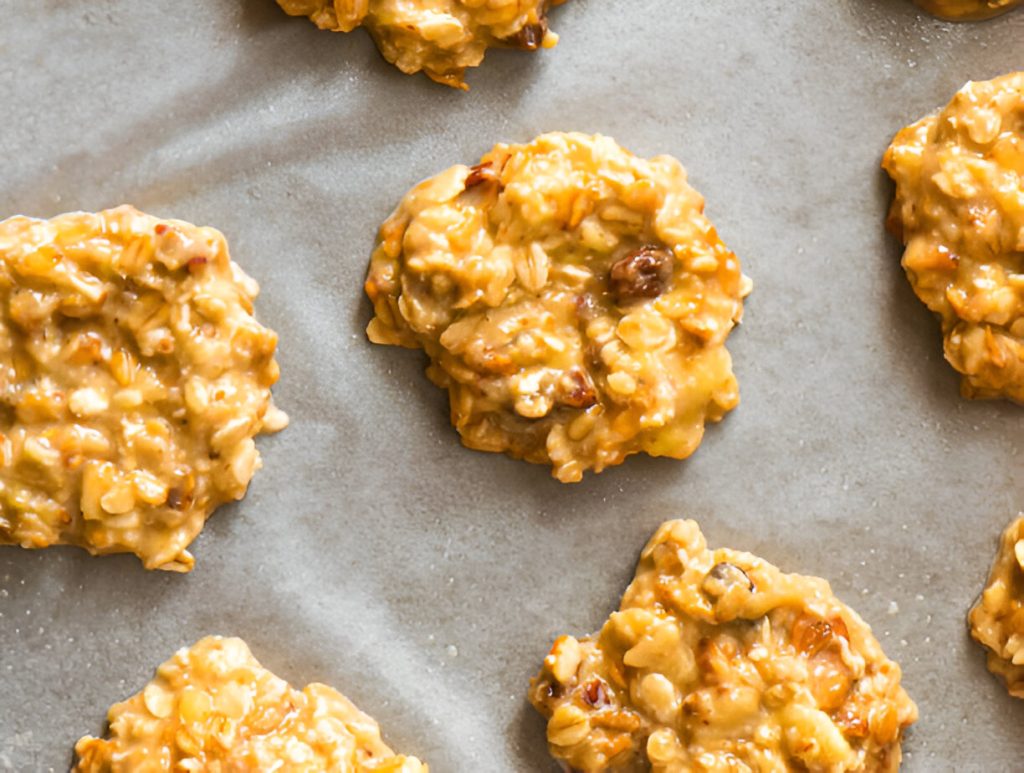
x=427 y=581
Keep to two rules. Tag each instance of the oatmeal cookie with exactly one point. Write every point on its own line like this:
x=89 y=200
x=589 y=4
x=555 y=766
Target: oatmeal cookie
x=213 y=707
x=573 y=299
x=959 y=208
x=440 y=37
x=716 y=661
x=967 y=10
x=134 y=378
x=997 y=619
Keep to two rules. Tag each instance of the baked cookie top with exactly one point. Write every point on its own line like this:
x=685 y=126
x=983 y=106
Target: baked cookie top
x=572 y=297
x=967 y=10
x=134 y=379
x=717 y=661
x=997 y=619
x=959 y=208
x=440 y=37
x=213 y=707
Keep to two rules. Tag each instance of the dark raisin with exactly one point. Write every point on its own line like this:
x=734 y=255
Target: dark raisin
x=577 y=390
x=723 y=577
x=529 y=37
x=177 y=499
x=643 y=273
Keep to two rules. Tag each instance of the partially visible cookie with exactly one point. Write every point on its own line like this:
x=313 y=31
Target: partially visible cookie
x=134 y=379
x=960 y=212
x=440 y=37
x=997 y=619
x=573 y=298
x=717 y=661
x=967 y=10
x=213 y=707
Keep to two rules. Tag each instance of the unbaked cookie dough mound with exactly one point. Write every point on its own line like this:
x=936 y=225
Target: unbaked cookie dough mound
x=997 y=619
x=716 y=661
x=440 y=37
x=134 y=378
x=213 y=707
x=573 y=299
x=959 y=208
x=967 y=10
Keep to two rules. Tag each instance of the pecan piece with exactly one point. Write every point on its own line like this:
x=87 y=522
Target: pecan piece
x=643 y=273
x=480 y=174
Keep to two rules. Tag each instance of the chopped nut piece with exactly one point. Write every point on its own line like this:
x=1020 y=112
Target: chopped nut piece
x=213 y=707
x=997 y=618
x=552 y=307
x=958 y=210
x=122 y=401
x=787 y=679
x=440 y=37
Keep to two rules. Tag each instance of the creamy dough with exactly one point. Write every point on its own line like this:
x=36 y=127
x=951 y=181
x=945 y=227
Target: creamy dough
x=959 y=208
x=718 y=662
x=967 y=10
x=440 y=37
x=134 y=378
x=573 y=299
x=213 y=707
x=997 y=619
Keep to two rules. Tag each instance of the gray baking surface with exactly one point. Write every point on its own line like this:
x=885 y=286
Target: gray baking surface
x=427 y=581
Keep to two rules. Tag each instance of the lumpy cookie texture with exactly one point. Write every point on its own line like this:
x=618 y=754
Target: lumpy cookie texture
x=967 y=10
x=716 y=661
x=959 y=208
x=213 y=707
x=440 y=37
x=997 y=619
x=133 y=378
x=573 y=299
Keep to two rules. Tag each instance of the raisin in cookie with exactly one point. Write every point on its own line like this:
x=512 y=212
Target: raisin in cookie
x=959 y=208
x=573 y=299
x=213 y=707
x=440 y=37
x=134 y=380
x=997 y=619
x=717 y=661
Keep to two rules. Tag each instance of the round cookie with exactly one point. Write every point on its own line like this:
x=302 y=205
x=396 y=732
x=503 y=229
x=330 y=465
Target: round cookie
x=134 y=380
x=997 y=619
x=967 y=10
x=573 y=300
x=717 y=661
x=440 y=37
x=213 y=707
x=959 y=210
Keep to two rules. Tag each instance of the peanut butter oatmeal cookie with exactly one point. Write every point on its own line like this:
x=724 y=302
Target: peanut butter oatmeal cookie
x=213 y=707
x=997 y=619
x=959 y=208
x=134 y=378
x=967 y=10
x=716 y=661
x=573 y=299
x=440 y=37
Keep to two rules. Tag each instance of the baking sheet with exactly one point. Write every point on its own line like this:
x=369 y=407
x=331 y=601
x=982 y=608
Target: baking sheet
x=427 y=581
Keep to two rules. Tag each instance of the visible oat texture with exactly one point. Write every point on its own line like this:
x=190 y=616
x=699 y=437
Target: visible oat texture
x=959 y=208
x=997 y=619
x=718 y=662
x=573 y=299
x=440 y=37
x=967 y=10
x=213 y=707
x=134 y=377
